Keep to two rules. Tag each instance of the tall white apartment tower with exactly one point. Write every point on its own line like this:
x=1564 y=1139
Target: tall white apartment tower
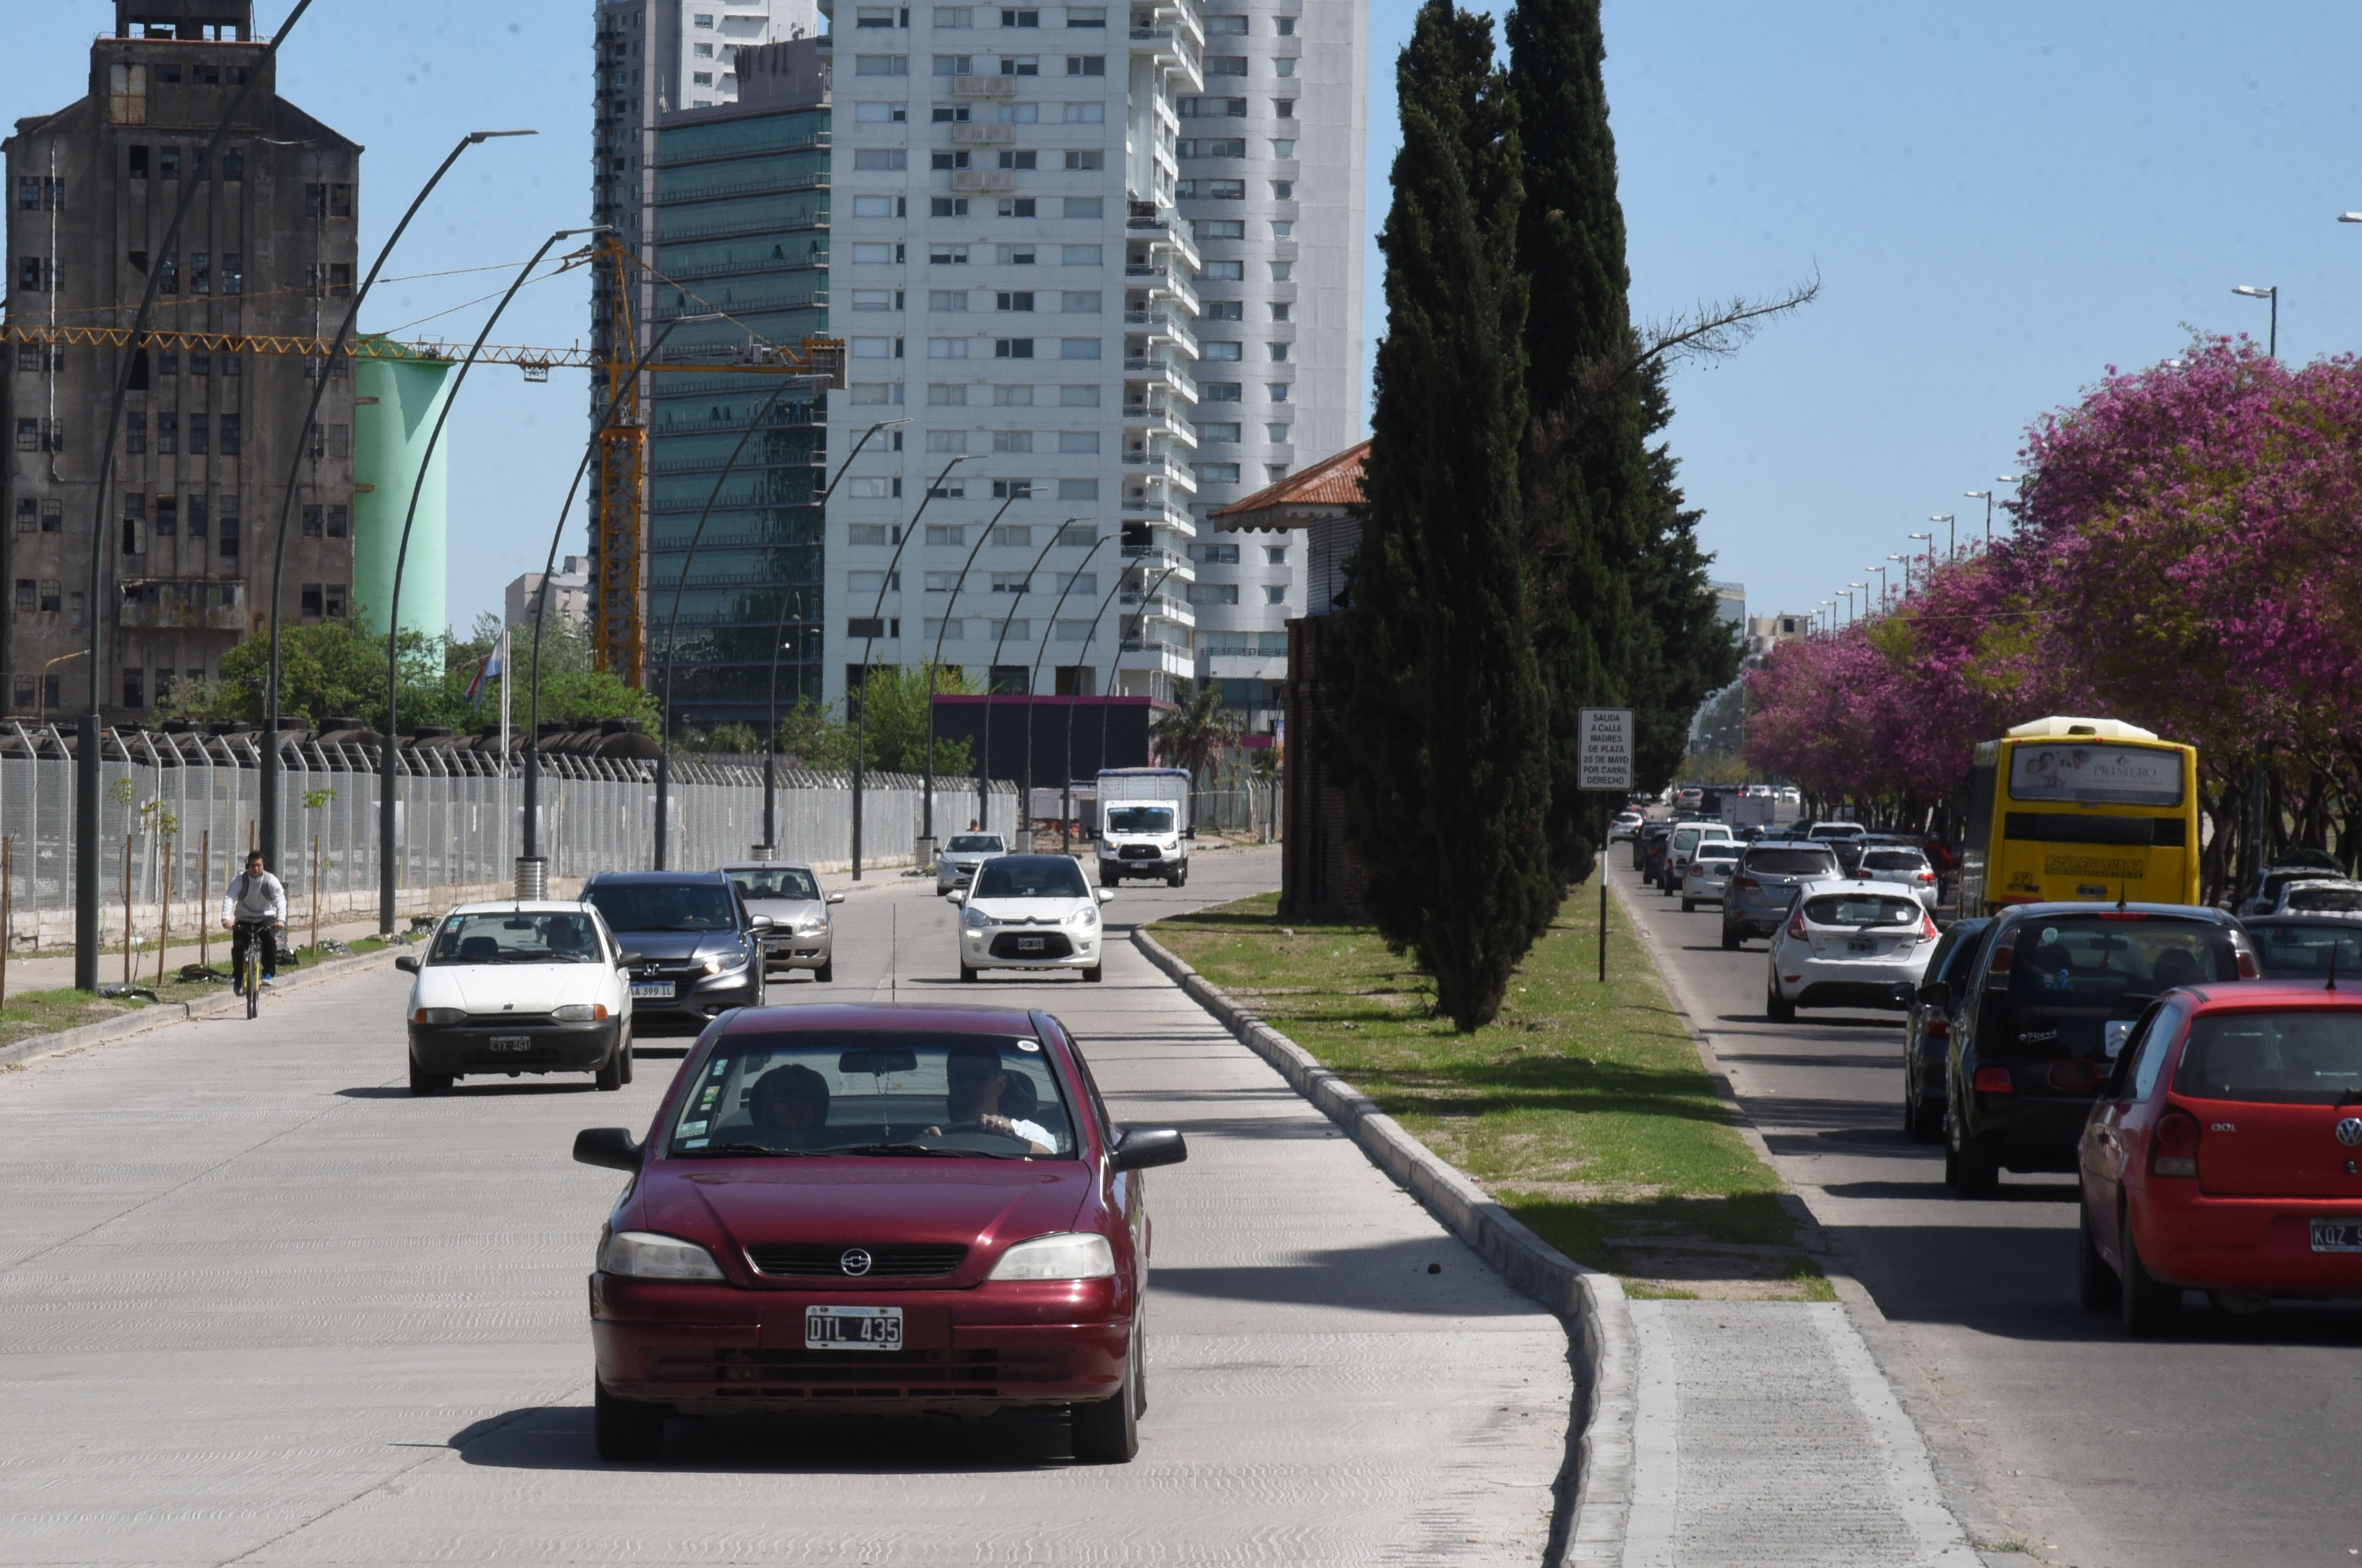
x=1014 y=285
x=1271 y=177
x=653 y=56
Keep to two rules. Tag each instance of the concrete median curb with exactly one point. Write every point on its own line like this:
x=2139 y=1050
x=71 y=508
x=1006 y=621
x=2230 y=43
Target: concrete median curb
x=158 y=1014
x=1591 y=1303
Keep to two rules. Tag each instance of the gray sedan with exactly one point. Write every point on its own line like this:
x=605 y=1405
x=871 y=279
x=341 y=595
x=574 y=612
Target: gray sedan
x=801 y=935
x=957 y=860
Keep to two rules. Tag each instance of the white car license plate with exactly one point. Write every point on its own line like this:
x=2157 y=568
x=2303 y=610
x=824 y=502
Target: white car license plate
x=512 y=1042
x=853 y=1328
x=2337 y=1235
x=1029 y=944
x=657 y=990
x=1862 y=945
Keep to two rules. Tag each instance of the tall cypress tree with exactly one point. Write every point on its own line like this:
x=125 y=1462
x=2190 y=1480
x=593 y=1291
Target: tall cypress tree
x=1444 y=717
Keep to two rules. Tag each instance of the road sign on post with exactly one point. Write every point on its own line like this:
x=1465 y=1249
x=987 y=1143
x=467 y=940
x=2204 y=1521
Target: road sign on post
x=1603 y=762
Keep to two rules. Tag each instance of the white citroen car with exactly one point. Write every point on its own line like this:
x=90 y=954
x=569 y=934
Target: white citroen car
x=1849 y=944
x=1029 y=912
x=531 y=985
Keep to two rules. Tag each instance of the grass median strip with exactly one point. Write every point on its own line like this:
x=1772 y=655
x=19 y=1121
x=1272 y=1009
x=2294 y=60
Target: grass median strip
x=1583 y=1109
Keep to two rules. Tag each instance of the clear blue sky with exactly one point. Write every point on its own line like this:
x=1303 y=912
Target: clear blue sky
x=2001 y=201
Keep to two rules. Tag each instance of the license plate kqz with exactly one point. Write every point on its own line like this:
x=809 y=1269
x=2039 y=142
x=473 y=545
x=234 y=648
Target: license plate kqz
x=2337 y=1235
x=853 y=1328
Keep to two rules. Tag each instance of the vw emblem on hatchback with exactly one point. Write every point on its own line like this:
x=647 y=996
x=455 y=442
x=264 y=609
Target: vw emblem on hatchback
x=856 y=1262
x=2349 y=1131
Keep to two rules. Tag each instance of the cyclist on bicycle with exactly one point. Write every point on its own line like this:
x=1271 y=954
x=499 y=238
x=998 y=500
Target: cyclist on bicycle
x=254 y=908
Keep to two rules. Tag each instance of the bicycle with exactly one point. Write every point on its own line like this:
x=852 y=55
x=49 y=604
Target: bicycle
x=249 y=976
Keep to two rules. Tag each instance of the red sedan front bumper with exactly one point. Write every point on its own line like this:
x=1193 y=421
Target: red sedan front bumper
x=709 y=1350
x=2243 y=1244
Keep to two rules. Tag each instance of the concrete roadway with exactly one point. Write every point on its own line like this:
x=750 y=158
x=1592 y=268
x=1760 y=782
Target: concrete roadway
x=2232 y=1442
x=259 y=1304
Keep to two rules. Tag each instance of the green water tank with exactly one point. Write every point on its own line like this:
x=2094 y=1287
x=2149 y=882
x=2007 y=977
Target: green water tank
x=398 y=395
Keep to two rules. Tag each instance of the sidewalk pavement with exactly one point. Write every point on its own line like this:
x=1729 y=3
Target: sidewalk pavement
x=56 y=973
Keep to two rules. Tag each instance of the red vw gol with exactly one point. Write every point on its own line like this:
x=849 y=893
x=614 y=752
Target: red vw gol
x=2225 y=1154
x=875 y=1210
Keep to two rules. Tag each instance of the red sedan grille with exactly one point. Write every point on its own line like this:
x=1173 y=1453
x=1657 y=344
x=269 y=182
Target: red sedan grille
x=841 y=1375
x=829 y=1260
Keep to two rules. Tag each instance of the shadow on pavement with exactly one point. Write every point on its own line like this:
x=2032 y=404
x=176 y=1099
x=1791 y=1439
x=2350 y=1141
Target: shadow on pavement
x=1389 y=1279
x=464 y=1088
x=558 y=1437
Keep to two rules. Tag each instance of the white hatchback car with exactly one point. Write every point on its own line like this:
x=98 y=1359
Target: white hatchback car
x=1905 y=867
x=1030 y=912
x=1710 y=870
x=1849 y=944
x=530 y=985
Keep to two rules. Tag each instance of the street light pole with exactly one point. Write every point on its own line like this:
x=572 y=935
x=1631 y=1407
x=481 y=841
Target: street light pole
x=1929 y=541
x=268 y=828
x=1998 y=480
x=1082 y=661
x=1025 y=789
x=1117 y=657
x=2272 y=294
x=86 y=755
x=1881 y=585
x=877 y=614
x=1986 y=497
x=942 y=629
x=984 y=762
x=1951 y=533
x=386 y=788
x=771 y=743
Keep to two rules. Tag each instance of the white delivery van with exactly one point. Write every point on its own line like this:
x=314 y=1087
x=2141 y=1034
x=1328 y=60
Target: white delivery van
x=1145 y=828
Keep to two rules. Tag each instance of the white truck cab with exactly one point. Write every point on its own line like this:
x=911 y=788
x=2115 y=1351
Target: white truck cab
x=1144 y=825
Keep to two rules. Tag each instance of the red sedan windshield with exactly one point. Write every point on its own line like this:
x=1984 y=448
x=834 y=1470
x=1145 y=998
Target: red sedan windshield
x=977 y=1096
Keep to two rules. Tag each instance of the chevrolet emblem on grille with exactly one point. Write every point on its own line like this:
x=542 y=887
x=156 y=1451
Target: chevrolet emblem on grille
x=855 y=1262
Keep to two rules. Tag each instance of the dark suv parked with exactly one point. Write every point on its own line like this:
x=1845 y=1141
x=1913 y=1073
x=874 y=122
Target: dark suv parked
x=1760 y=892
x=1923 y=1053
x=2046 y=1005
x=698 y=953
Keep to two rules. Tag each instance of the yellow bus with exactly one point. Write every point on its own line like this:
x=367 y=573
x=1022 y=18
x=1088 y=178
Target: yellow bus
x=2090 y=809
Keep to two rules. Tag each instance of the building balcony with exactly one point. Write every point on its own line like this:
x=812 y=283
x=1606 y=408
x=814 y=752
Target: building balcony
x=1157 y=607
x=1161 y=326
x=184 y=606
x=1145 y=501
x=1157 y=226
x=1156 y=464
x=745 y=304
x=1156 y=420
x=1144 y=373
x=1162 y=278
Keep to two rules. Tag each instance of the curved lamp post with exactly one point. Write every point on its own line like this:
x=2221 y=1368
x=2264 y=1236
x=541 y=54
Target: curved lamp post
x=531 y=845
x=672 y=625
x=1083 y=657
x=1117 y=658
x=1033 y=680
x=385 y=849
x=771 y=743
x=927 y=793
x=984 y=753
x=870 y=644
x=1929 y=541
x=2271 y=293
x=269 y=827
x=86 y=758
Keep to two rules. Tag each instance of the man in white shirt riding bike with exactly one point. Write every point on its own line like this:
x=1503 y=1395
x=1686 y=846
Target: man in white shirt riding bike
x=252 y=910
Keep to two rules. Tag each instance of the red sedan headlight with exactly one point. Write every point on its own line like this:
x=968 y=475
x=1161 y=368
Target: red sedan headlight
x=644 y=1254
x=1066 y=1254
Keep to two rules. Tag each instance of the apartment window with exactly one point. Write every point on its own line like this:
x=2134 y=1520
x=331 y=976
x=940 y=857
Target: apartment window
x=1086 y=158
x=1011 y=489
x=340 y=522
x=873 y=581
x=947 y=298
x=1278 y=391
x=1078 y=489
x=947 y=441
x=196 y=516
x=880 y=113
x=51 y=598
x=873 y=254
x=1079 y=301
x=197 y=435
x=312 y=598
x=1217 y=431
x=876 y=393
x=336 y=599
x=1078 y=348
x=28 y=436
x=1218 y=474
x=1283 y=190
x=233 y=281
x=1011 y=582
x=1087 y=15
x=1213 y=108
x=1012 y=440
x=1283 y=147
x=1017 y=207
x=1275 y=554
x=25 y=596
x=881 y=65
x=1085 y=207
x=1221 y=228
x=1079 y=441
x=330 y=278
x=1021 y=397
x=1079 y=255
x=1015 y=18
x=39 y=275
x=234 y=160
x=1224 y=310
x=1280 y=311
x=1084 y=583
x=315 y=521
x=954 y=65
x=876 y=207
x=947 y=255
x=1285 y=27
x=944 y=160
x=37 y=357
x=28 y=514
x=704 y=18
x=954 y=17
x=138 y=167
x=167 y=162
x=1227 y=190
x=1214 y=593
x=946 y=535
x=1086 y=65
x=228 y=539
x=948 y=207
x=1013 y=536
x=1217 y=351
x=1021 y=65
x=1013 y=299
x=1017 y=255
x=1226 y=65
x=1013 y=348
x=1274 y=473
x=1278 y=352
x=168 y=515
x=876 y=299
x=1078 y=396
x=878 y=16
x=1085 y=114
x=315 y=200
x=1277 y=433
x=876 y=489
x=705 y=52
x=135 y=687
x=135 y=535
x=24 y=691
x=952 y=115
x=947 y=348
x=1013 y=159
x=881 y=158
x=1214 y=554
x=1282 y=108
x=230 y=429
x=168 y=433
x=1225 y=26
x=340 y=201
x=1283 y=66
x=1283 y=271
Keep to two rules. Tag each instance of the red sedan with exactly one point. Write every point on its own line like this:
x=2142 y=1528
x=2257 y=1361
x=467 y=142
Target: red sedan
x=2225 y=1154
x=875 y=1210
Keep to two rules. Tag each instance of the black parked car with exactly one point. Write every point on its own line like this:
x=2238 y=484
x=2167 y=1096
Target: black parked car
x=1923 y=1053
x=1648 y=850
x=699 y=954
x=2046 y=1005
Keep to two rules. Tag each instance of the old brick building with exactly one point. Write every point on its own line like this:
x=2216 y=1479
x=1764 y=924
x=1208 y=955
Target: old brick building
x=210 y=428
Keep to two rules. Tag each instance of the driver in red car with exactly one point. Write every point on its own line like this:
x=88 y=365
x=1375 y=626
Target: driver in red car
x=975 y=1082
x=788 y=1107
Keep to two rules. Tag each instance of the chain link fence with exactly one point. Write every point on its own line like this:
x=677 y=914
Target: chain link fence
x=178 y=812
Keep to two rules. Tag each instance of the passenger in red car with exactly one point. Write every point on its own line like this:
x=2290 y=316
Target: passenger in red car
x=788 y=1107
x=974 y=1082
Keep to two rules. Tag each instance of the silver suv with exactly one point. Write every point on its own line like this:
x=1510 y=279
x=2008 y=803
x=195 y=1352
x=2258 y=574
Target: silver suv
x=1760 y=892
x=957 y=860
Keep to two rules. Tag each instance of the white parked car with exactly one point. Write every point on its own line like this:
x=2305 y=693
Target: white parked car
x=1627 y=823
x=1030 y=912
x=957 y=860
x=1905 y=867
x=533 y=985
x=2327 y=896
x=1849 y=944
x=1710 y=870
x=1686 y=839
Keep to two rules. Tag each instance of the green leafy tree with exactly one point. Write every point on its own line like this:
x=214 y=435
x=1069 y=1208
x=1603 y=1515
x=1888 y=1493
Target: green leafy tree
x=894 y=700
x=1444 y=716
x=1193 y=731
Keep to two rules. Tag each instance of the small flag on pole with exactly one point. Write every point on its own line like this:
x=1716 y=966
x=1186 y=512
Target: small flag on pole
x=487 y=671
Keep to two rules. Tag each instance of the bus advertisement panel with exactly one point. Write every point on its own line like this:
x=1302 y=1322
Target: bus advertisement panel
x=2067 y=810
